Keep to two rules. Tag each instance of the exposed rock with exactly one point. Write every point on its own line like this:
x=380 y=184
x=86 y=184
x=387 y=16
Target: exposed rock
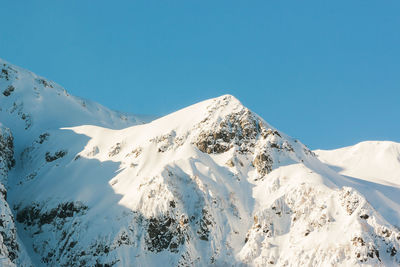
x=115 y=150
x=9 y=90
x=350 y=199
x=6 y=147
x=263 y=163
x=164 y=233
x=44 y=82
x=176 y=205
x=205 y=224
x=135 y=152
x=230 y=163
x=9 y=248
x=7 y=72
x=43 y=137
x=166 y=142
x=58 y=154
x=34 y=215
x=236 y=129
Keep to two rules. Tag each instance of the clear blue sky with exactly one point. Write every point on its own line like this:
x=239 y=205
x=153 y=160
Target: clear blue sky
x=326 y=72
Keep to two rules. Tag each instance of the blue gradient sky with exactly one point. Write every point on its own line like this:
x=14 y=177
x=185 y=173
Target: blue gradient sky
x=326 y=72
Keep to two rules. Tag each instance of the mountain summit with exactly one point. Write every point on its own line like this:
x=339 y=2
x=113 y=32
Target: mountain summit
x=211 y=184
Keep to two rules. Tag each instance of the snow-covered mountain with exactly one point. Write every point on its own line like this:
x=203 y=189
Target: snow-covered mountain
x=375 y=161
x=211 y=184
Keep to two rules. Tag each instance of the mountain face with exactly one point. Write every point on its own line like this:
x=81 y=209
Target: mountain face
x=211 y=184
x=11 y=249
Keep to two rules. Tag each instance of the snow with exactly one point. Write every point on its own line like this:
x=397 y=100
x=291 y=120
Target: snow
x=373 y=161
x=373 y=168
x=37 y=104
x=211 y=184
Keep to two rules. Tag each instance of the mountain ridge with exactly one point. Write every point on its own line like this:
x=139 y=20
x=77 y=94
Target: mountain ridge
x=354 y=161
x=210 y=184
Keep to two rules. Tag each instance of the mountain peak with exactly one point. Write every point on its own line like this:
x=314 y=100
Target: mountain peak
x=210 y=184
x=30 y=103
x=227 y=100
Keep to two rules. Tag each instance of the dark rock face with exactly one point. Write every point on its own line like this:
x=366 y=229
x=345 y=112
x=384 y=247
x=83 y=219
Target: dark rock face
x=59 y=154
x=6 y=148
x=168 y=233
x=164 y=233
x=8 y=241
x=9 y=247
x=63 y=221
x=9 y=90
x=237 y=129
x=245 y=131
x=32 y=215
x=43 y=137
x=229 y=125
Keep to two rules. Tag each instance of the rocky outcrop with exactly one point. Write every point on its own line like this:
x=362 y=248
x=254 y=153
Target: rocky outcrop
x=263 y=162
x=303 y=213
x=57 y=155
x=64 y=223
x=10 y=249
x=237 y=129
x=248 y=134
x=165 y=233
x=6 y=150
x=8 y=90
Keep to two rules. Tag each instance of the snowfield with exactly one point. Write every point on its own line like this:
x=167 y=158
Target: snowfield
x=373 y=161
x=209 y=185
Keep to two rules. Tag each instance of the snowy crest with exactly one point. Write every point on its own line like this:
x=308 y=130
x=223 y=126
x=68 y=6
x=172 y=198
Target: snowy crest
x=212 y=184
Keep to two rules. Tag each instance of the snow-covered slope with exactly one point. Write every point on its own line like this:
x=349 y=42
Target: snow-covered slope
x=375 y=161
x=30 y=105
x=211 y=184
x=373 y=168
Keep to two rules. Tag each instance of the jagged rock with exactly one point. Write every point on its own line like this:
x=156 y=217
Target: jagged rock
x=33 y=215
x=6 y=147
x=236 y=129
x=10 y=249
x=164 y=233
x=263 y=163
x=58 y=154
